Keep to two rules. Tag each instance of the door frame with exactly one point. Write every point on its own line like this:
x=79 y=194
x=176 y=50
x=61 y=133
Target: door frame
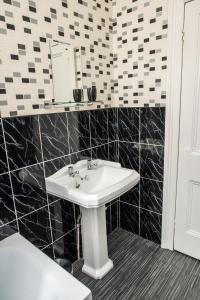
x=176 y=14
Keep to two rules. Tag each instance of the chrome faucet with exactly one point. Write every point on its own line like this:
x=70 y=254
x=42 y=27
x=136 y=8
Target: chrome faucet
x=72 y=172
x=91 y=164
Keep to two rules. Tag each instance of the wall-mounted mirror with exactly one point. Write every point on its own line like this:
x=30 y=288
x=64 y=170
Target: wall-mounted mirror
x=67 y=72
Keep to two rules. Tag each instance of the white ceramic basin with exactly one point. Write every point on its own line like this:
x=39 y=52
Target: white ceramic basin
x=92 y=189
x=28 y=274
x=99 y=186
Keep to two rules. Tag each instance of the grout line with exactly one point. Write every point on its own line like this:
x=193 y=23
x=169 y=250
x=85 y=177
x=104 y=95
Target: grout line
x=8 y=223
x=32 y=212
x=9 y=173
x=151 y=211
x=51 y=244
x=156 y=180
x=48 y=247
x=28 y=166
x=64 y=235
x=142 y=208
x=144 y=144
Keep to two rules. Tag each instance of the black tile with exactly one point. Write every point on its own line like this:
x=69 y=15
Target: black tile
x=79 y=130
x=114 y=215
x=29 y=189
x=150 y=226
x=99 y=127
x=52 y=166
x=35 y=228
x=153 y=125
x=100 y=152
x=62 y=218
x=129 y=124
x=113 y=151
x=22 y=141
x=152 y=162
x=3 y=160
x=54 y=135
x=49 y=251
x=66 y=247
x=108 y=220
x=132 y=196
x=83 y=155
x=151 y=193
x=8 y=230
x=129 y=217
x=129 y=155
x=112 y=124
x=7 y=210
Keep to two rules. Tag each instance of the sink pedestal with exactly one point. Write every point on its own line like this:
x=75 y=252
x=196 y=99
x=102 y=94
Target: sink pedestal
x=94 y=237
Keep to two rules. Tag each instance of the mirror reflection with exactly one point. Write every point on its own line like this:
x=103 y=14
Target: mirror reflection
x=67 y=72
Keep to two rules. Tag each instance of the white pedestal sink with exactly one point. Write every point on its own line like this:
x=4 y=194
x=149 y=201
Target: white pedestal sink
x=92 y=189
x=95 y=250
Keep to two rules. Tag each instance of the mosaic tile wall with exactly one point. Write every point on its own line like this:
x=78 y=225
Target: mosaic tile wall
x=139 y=52
x=123 y=43
x=26 y=28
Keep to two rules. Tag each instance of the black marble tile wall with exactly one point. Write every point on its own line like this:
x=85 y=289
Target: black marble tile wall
x=129 y=217
x=79 y=130
x=22 y=141
x=141 y=147
x=150 y=225
x=29 y=189
x=129 y=124
x=99 y=127
x=36 y=227
x=35 y=147
x=113 y=150
x=7 y=209
x=66 y=246
x=113 y=124
x=152 y=124
x=3 y=159
x=62 y=218
x=101 y=152
x=129 y=155
x=54 y=135
x=112 y=216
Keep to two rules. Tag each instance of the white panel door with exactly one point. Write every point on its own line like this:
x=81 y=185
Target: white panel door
x=187 y=227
